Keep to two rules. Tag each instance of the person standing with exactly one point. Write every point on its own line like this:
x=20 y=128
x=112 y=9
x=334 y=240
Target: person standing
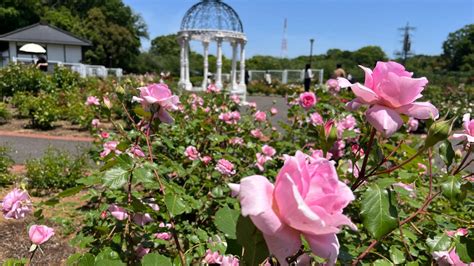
x=308 y=75
x=339 y=72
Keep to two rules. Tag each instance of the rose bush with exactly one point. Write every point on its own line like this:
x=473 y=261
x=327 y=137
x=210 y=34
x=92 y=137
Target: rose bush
x=161 y=194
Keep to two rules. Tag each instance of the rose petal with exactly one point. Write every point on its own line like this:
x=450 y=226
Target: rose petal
x=283 y=243
x=343 y=83
x=364 y=94
x=419 y=110
x=384 y=119
x=256 y=200
x=164 y=116
x=398 y=91
x=369 y=82
x=324 y=246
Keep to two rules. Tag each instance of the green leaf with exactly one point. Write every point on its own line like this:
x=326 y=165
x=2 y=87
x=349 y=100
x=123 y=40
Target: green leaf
x=154 y=259
x=226 y=221
x=175 y=203
x=143 y=175
x=379 y=213
x=439 y=243
x=446 y=153
x=396 y=255
x=382 y=262
x=452 y=189
x=252 y=240
x=115 y=178
x=465 y=249
x=70 y=191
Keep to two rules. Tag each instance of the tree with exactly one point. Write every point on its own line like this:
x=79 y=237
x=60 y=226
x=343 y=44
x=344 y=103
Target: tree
x=459 y=49
x=369 y=55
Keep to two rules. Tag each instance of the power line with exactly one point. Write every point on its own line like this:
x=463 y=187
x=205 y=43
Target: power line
x=406 y=42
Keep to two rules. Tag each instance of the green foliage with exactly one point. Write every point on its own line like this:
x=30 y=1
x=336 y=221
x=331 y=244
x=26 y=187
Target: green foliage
x=42 y=109
x=459 y=49
x=379 y=212
x=55 y=170
x=5 y=163
x=5 y=114
x=22 y=78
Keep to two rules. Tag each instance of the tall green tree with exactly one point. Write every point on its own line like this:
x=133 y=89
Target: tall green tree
x=459 y=49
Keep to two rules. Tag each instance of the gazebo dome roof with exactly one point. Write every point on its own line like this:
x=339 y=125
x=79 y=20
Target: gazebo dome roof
x=212 y=15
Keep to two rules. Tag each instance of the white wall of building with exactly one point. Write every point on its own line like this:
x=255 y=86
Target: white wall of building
x=12 y=46
x=73 y=54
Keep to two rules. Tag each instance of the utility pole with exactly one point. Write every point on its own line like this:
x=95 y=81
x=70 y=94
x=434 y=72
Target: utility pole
x=406 y=42
x=311 y=51
x=284 y=41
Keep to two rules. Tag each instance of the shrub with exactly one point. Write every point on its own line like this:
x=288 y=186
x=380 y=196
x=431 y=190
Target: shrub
x=5 y=114
x=19 y=78
x=55 y=170
x=42 y=110
x=5 y=163
x=65 y=79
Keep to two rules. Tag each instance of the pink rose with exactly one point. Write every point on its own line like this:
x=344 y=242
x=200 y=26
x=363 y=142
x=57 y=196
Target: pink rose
x=159 y=99
x=307 y=100
x=316 y=119
x=235 y=98
x=318 y=154
x=92 y=100
x=40 y=233
x=310 y=200
x=110 y=146
x=422 y=168
x=104 y=135
x=257 y=133
x=212 y=257
x=390 y=90
x=230 y=260
x=206 y=159
x=236 y=141
x=333 y=85
x=445 y=258
x=95 y=123
x=137 y=151
x=118 y=212
x=412 y=124
x=225 y=167
x=261 y=160
x=252 y=105
x=142 y=219
x=163 y=236
x=230 y=117
x=16 y=204
x=260 y=116
x=408 y=187
x=192 y=153
x=348 y=123
x=458 y=232
x=268 y=150
x=273 y=111
x=213 y=88
x=468 y=133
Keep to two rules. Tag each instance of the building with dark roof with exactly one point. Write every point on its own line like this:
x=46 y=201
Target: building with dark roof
x=60 y=45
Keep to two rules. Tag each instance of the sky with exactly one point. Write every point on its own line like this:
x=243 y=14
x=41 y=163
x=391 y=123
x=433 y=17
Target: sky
x=343 y=24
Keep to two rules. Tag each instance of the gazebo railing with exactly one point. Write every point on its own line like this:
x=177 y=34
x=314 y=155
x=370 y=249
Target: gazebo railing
x=286 y=76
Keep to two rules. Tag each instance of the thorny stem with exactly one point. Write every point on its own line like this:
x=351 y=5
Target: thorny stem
x=400 y=165
x=361 y=176
x=429 y=198
x=385 y=159
x=28 y=263
x=129 y=219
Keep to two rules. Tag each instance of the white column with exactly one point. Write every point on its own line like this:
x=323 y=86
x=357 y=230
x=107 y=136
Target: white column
x=186 y=60
x=219 y=63
x=205 y=45
x=234 y=66
x=242 y=84
x=182 y=78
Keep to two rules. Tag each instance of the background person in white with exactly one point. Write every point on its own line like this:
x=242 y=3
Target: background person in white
x=308 y=75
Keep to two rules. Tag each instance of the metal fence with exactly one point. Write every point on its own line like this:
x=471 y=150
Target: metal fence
x=287 y=76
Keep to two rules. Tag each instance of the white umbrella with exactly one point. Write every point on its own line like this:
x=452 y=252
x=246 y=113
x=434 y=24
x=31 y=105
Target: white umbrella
x=33 y=48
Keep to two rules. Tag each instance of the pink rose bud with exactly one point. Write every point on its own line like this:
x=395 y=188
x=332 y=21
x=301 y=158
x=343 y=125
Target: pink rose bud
x=92 y=100
x=103 y=214
x=40 y=233
x=137 y=151
x=268 y=150
x=225 y=167
x=212 y=257
x=192 y=153
x=104 y=135
x=163 y=236
x=107 y=102
x=141 y=251
x=206 y=159
x=273 y=111
x=142 y=219
x=468 y=133
x=235 y=98
x=236 y=141
x=16 y=204
x=118 y=212
x=307 y=100
x=316 y=119
x=95 y=123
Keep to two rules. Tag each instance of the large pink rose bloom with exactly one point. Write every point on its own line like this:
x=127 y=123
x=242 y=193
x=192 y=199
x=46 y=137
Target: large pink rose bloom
x=307 y=199
x=307 y=100
x=468 y=133
x=40 y=233
x=16 y=204
x=158 y=97
x=390 y=91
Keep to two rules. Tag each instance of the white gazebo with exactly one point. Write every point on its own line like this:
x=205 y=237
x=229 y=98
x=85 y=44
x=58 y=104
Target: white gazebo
x=213 y=21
